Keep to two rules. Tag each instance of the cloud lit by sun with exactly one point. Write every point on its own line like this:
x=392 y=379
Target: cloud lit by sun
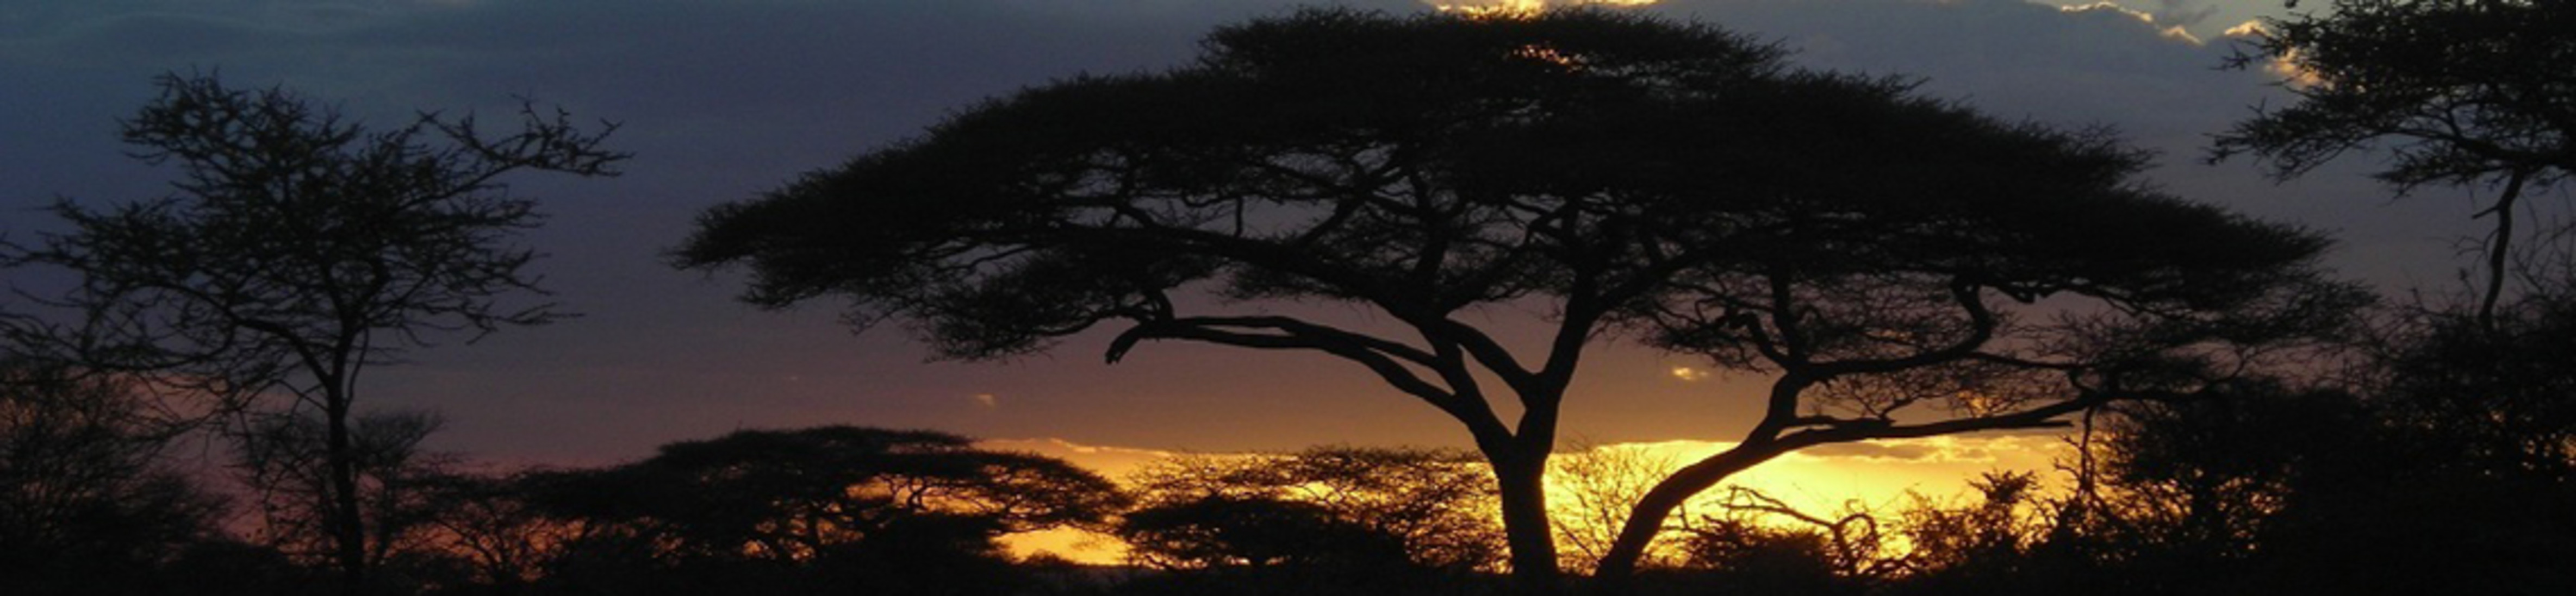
x=987 y=401
x=1688 y=374
x=2287 y=66
x=2171 y=30
x=1509 y=8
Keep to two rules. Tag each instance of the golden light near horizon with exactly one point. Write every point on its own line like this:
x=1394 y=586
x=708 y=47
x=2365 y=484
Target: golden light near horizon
x=1882 y=476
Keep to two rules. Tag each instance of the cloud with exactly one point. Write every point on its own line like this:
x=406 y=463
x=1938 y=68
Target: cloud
x=987 y=401
x=1873 y=450
x=1688 y=374
x=1108 y=461
x=2106 y=7
x=1507 y=7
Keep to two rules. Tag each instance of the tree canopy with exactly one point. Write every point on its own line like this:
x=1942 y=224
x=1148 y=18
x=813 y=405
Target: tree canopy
x=2456 y=92
x=792 y=495
x=1433 y=505
x=1614 y=173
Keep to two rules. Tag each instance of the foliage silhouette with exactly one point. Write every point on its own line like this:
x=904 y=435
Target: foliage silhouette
x=1219 y=532
x=2465 y=92
x=2474 y=466
x=288 y=469
x=1982 y=544
x=1842 y=550
x=1599 y=485
x=1746 y=558
x=1611 y=171
x=2267 y=488
x=485 y=532
x=299 y=249
x=86 y=503
x=2500 y=391
x=1435 y=505
x=866 y=509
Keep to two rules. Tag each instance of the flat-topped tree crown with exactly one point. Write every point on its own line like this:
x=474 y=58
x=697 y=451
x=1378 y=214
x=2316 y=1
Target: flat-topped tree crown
x=1615 y=172
x=1323 y=155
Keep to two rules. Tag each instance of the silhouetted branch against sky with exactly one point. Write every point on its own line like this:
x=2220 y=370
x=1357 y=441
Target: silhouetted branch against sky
x=730 y=99
x=1609 y=171
x=724 y=100
x=2460 y=93
x=296 y=249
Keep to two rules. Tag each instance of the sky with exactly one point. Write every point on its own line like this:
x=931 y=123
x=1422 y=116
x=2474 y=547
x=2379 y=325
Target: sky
x=720 y=100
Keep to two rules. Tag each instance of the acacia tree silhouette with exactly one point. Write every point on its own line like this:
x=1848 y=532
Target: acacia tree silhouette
x=2467 y=93
x=1617 y=172
x=299 y=249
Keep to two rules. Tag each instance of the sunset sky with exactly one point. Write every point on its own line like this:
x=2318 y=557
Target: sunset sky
x=720 y=100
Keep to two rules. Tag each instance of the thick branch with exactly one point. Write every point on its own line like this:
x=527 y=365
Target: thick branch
x=1386 y=358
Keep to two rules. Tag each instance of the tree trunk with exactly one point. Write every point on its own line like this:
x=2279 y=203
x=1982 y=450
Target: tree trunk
x=2500 y=248
x=1526 y=526
x=1646 y=519
x=347 y=526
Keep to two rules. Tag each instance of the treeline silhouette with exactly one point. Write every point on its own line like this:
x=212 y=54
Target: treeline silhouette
x=1898 y=266
x=2443 y=460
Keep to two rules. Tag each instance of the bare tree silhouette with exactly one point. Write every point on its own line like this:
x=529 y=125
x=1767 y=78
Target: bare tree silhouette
x=298 y=250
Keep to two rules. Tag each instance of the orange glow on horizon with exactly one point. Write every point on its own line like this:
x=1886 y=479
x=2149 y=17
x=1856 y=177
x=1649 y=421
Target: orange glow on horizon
x=1878 y=475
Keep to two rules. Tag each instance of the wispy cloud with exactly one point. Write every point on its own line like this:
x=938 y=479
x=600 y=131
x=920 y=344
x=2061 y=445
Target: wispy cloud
x=1688 y=374
x=1109 y=461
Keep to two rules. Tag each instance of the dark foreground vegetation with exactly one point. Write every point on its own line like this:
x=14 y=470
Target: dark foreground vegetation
x=1901 y=267
x=2443 y=461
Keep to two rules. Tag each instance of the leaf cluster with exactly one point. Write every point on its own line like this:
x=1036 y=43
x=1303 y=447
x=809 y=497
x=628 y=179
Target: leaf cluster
x=2462 y=91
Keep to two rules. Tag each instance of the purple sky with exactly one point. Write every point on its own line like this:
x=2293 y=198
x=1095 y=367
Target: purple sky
x=720 y=100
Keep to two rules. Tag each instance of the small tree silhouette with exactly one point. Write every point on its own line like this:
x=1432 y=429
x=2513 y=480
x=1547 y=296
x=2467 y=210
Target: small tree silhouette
x=863 y=506
x=2465 y=93
x=299 y=249
x=87 y=504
